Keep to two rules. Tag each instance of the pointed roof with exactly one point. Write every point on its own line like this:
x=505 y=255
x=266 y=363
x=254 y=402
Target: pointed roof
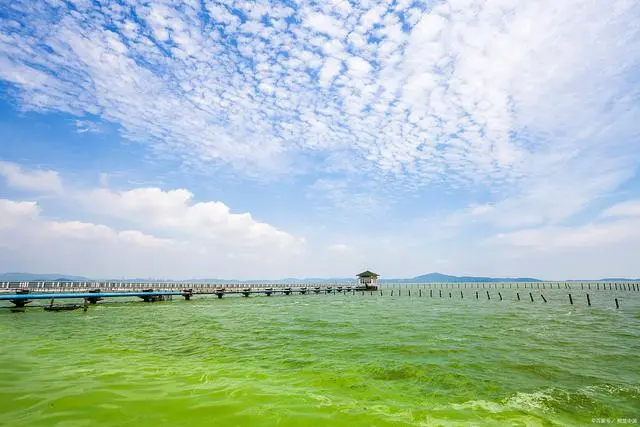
x=368 y=274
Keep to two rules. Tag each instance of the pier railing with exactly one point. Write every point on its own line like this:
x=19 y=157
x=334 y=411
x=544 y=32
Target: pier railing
x=53 y=287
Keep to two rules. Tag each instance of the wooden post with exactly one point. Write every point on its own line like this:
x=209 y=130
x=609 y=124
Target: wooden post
x=531 y=296
x=543 y=298
x=440 y=293
x=518 y=295
x=617 y=305
x=476 y=294
x=588 y=300
x=500 y=295
x=570 y=299
x=431 y=293
x=449 y=294
x=488 y=297
x=461 y=295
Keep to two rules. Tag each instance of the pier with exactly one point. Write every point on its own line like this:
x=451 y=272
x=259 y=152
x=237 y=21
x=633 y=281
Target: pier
x=20 y=294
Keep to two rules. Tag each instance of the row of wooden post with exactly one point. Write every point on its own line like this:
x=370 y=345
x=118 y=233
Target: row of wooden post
x=488 y=296
x=544 y=285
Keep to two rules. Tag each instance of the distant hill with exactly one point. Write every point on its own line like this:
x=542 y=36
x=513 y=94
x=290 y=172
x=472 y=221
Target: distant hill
x=56 y=277
x=445 y=278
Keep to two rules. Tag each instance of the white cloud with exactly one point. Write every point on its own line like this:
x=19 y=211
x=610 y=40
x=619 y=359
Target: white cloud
x=550 y=239
x=480 y=210
x=330 y=69
x=12 y=212
x=557 y=189
x=358 y=67
x=629 y=208
x=175 y=211
x=25 y=218
x=87 y=126
x=325 y=24
x=31 y=242
x=44 y=181
x=102 y=233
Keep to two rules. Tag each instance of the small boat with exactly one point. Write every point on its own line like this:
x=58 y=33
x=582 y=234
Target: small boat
x=62 y=307
x=65 y=307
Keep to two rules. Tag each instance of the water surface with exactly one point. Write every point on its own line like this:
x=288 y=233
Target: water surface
x=325 y=360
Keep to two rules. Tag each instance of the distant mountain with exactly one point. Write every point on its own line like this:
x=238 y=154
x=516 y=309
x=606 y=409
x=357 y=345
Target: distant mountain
x=56 y=277
x=445 y=278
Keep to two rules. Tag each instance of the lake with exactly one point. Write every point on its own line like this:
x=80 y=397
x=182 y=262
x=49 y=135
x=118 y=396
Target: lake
x=327 y=360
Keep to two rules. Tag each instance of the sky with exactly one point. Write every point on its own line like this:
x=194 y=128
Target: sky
x=275 y=139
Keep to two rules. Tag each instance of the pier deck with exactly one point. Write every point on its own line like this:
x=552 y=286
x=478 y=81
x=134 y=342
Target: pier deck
x=72 y=295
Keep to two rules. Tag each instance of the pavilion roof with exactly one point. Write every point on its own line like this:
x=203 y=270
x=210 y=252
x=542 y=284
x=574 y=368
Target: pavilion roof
x=368 y=274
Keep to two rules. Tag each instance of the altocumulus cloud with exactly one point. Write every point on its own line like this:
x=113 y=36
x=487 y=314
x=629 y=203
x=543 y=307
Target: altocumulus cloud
x=459 y=93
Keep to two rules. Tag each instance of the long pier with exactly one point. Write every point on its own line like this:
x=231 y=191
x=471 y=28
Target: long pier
x=22 y=293
x=167 y=287
x=160 y=286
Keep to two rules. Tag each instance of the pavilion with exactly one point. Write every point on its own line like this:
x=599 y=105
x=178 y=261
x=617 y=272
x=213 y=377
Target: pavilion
x=368 y=279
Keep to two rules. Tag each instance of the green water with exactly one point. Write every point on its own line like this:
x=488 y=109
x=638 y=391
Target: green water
x=325 y=360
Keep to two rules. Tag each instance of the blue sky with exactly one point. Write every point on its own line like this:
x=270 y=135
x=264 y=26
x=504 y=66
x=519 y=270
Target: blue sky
x=275 y=139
